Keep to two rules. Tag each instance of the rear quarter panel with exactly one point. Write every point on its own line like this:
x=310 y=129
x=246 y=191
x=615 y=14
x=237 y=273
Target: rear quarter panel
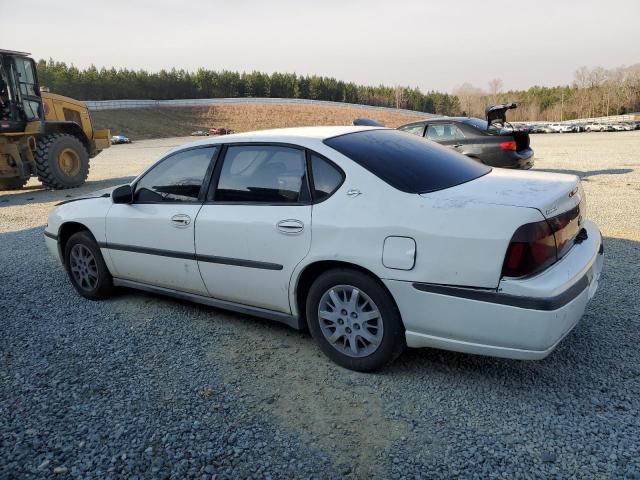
x=457 y=242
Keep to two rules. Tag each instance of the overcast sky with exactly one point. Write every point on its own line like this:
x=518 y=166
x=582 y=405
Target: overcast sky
x=433 y=45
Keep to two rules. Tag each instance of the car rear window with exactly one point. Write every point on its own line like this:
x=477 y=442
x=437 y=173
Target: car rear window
x=407 y=162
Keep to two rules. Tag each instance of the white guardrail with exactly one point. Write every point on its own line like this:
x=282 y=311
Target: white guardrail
x=204 y=102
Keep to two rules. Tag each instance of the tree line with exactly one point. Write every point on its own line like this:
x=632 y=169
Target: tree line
x=112 y=84
x=594 y=92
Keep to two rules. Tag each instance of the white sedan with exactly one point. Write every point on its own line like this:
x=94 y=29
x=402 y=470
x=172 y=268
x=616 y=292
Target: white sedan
x=371 y=238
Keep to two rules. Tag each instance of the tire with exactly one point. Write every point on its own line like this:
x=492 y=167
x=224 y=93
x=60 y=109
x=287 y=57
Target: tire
x=12 y=183
x=93 y=281
x=386 y=330
x=62 y=161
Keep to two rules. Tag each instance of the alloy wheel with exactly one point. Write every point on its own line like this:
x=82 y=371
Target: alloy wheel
x=83 y=267
x=350 y=321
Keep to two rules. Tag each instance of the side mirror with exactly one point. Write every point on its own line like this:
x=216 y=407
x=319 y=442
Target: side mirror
x=122 y=194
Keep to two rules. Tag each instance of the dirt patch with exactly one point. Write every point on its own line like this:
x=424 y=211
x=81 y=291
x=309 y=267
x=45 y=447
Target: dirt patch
x=340 y=412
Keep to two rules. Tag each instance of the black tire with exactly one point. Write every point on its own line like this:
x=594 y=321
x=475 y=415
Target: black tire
x=12 y=183
x=103 y=287
x=51 y=173
x=393 y=340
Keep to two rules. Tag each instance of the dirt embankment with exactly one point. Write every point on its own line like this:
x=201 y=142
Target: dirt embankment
x=161 y=122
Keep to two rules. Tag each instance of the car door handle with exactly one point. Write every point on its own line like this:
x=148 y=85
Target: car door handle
x=290 y=226
x=180 y=220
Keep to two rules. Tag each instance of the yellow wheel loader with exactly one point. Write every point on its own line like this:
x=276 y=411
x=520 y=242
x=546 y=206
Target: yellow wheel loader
x=42 y=134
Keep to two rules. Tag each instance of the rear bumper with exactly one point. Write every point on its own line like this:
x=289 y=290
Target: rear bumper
x=522 y=159
x=522 y=319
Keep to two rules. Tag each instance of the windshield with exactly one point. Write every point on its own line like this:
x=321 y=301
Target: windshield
x=407 y=162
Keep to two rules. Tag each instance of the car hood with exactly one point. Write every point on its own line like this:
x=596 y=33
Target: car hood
x=550 y=193
x=103 y=193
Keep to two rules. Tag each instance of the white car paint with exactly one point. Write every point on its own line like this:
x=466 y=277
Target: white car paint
x=455 y=237
x=561 y=127
x=247 y=232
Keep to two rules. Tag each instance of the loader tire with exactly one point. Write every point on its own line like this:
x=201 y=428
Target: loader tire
x=12 y=183
x=62 y=161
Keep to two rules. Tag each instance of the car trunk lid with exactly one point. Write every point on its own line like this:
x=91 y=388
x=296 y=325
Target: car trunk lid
x=497 y=114
x=550 y=193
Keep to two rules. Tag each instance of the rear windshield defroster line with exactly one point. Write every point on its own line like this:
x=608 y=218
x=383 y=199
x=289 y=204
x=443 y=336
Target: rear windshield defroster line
x=407 y=162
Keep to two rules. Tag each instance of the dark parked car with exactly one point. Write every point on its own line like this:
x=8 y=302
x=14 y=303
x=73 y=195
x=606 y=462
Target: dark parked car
x=118 y=139
x=492 y=141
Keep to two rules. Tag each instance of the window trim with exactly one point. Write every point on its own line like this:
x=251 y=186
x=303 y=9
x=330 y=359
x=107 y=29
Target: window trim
x=315 y=201
x=212 y=187
x=203 y=186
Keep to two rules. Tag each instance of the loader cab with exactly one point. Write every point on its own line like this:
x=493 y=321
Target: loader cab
x=20 y=101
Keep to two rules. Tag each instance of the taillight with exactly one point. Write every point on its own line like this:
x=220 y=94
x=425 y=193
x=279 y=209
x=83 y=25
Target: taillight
x=565 y=227
x=532 y=248
x=537 y=245
x=508 y=145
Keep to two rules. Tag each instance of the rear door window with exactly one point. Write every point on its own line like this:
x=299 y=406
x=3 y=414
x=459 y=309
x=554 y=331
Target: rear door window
x=443 y=132
x=269 y=174
x=407 y=162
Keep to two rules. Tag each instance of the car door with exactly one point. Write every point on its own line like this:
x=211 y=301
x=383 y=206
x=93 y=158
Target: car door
x=255 y=226
x=447 y=134
x=151 y=240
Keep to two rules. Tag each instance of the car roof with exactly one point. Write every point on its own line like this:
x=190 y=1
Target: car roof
x=282 y=135
x=442 y=119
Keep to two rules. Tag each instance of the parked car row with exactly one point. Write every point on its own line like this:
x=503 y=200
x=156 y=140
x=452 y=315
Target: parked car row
x=576 y=127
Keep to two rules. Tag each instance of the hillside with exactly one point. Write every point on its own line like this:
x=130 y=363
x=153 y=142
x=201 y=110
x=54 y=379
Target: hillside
x=143 y=123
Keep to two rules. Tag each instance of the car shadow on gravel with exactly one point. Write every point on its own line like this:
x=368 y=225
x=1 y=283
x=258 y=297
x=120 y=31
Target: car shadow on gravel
x=589 y=173
x=35 y=194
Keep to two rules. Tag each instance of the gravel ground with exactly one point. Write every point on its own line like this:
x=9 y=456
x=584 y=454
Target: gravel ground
x=146 y=387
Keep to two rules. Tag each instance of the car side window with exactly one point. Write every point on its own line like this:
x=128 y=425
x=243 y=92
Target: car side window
x=415 y=129
x=177 y=178
x=326 y=177
x=268 y=174
x=441 y=132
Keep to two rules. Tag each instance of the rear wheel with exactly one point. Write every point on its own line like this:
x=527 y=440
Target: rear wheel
x=62 y=161
x=354 y=320
x=12 y=183
x=86 y=268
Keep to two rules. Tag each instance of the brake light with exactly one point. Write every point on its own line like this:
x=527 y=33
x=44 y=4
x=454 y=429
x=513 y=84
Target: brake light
x=508 y=145
x=532 y=248
x=537 y=245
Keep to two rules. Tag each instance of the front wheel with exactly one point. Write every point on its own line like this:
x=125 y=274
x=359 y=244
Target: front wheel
x=85 y=266
x=354 y=320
